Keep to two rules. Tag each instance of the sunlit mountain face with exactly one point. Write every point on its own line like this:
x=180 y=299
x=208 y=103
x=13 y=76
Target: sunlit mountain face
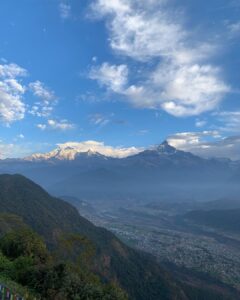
x=127 y=114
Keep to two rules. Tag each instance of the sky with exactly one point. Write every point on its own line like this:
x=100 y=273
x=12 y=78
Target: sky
x=125 y=74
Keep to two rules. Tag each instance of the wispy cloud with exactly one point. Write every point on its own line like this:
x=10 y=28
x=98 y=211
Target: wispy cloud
x=200 y=123
x=207 y=144
x=44 y=107
x=62 y=125
x=184 y=140
x=182 y=81
x=10 y=150
x=113 y=77
x=99 y=119
x=65 y=10
x=229 y=121
x=234 y=28
x=41 y=91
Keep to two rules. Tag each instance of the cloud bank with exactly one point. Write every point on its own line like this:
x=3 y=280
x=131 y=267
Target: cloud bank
x=207 y=144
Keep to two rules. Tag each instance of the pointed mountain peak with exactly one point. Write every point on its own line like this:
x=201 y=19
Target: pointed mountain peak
x=165 y=148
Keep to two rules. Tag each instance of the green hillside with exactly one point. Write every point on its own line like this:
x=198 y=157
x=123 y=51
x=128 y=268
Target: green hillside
x=74 y=240
x=28 y=269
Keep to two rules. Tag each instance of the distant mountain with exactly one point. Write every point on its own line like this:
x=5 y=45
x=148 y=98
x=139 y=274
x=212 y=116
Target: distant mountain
x=162 y=170
x=62 y=153
x=165 y=155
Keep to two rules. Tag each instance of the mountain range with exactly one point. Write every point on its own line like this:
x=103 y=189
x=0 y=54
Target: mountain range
x=160 y=171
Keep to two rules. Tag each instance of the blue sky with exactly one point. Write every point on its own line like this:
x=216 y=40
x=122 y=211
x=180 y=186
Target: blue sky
x=124 y=73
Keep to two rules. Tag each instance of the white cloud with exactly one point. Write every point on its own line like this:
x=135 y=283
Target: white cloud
x=230 y=121
x=182 y=81
x=42 y=126
x=41 y=91
x=234 y=29
x=143 y=132
x=10 y=150
x=112 y=76
x=12 y=107
x=200 y=123
x=207 y=144
x=189 y=89
x=44 y=107
x=137 y=31
x=99 y=119
x=181 y=91
x=65 y=10
x=101 y=148
x=184 y=140
x=62 y=125
x=12 y=91
x=12 y=71
x=21 y=136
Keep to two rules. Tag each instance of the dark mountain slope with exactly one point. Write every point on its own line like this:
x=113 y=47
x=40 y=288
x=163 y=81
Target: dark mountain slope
x=141 y=277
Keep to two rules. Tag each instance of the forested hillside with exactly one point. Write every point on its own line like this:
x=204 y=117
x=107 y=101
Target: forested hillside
x=72 y=239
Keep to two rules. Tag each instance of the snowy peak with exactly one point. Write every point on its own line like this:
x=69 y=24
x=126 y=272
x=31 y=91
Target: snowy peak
x=93 y=149
x=63 y=153
x=73 y=151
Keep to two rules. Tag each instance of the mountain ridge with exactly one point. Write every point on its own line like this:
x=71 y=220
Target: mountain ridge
x=54 y=219
x=161 y=169
x=72 y=152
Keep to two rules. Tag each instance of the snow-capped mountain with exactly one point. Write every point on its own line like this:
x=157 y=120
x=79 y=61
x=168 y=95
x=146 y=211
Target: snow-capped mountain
x=74 y=170
x=63 y=153
x=73 y=150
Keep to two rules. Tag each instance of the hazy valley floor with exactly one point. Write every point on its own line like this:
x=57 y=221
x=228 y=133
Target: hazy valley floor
x=176 y=242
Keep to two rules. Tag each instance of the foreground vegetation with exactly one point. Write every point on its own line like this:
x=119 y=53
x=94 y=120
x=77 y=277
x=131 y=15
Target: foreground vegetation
x=27 y=267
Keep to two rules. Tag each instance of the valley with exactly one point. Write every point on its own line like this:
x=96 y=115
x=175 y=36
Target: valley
x=164 y=203
x=175 y=241
x=119 y=150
